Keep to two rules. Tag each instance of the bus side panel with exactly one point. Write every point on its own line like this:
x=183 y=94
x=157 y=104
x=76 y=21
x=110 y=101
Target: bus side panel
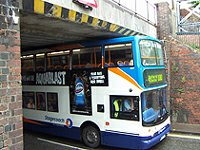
x=119 y=140
x=54 y=129
x=133 y=141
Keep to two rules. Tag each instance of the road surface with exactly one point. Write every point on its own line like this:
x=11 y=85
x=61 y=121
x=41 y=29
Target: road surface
x=38 y=141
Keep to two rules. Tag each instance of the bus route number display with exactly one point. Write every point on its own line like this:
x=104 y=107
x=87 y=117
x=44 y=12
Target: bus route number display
x=153 y=77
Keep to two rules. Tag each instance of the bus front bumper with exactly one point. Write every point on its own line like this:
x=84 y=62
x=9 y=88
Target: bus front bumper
x=146 y=143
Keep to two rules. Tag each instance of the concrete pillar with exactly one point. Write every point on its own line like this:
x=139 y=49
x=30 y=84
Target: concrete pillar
x=11 y=126
x=164 y=18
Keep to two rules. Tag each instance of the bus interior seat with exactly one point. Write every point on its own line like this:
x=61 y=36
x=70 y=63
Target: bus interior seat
x=126 y=63
x=58 y=67
x=29 y=68
x=111 y=64
x=66 y=67
x=106 y=65
x=120 y=63
x=50 y=67
x=40 y=68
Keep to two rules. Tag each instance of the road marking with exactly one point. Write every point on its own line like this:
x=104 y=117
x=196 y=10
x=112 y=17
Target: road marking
x=184 y=136
x=61 y=144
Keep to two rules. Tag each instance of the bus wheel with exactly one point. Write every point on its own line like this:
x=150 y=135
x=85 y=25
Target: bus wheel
x=91 y=136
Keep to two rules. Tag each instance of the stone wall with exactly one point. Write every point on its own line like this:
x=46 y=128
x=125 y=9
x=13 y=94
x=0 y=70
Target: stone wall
x=11 y=126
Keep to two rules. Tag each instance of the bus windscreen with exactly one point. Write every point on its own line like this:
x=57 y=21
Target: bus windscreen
x=151 y=53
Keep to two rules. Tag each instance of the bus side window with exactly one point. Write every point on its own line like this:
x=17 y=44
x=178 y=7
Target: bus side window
x=28 y=100
x=86 y=57
x=52 y=102
x=27 y=63
x=58 y=60
x=119 y=55
x=41 y=101
x=40 y=62
x=124 y=107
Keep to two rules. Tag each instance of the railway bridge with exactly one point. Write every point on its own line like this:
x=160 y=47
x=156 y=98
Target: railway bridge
x=34 y=24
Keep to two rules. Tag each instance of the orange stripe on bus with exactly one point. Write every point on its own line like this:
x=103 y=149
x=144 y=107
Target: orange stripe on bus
x=125 y=76
x=31 y=121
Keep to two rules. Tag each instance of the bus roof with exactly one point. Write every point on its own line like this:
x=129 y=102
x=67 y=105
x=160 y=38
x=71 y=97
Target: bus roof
x=81 y=44
x=102 y=42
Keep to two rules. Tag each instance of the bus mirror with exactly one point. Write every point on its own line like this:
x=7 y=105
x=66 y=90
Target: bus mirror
x=162 y=42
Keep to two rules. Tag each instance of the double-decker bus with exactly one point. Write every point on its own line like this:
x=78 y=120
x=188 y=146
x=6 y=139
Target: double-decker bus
x=110 y=92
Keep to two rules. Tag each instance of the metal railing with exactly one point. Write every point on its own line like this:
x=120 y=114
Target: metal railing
x=188 y=22
x=141 y=8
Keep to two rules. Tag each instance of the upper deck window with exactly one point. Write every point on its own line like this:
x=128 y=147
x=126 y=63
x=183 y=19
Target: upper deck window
x=40 y=62
x=118 y=55
x=58 y=60
x=27 y=63
x=151 y=53
x=86 y=57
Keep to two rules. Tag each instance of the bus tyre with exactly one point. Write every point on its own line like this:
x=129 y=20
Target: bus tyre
x=91 y=136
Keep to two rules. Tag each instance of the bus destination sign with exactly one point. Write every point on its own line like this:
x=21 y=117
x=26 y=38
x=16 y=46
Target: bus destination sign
x=153 y=77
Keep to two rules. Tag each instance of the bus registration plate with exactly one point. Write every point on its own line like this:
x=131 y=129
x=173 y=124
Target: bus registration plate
x=162 y=137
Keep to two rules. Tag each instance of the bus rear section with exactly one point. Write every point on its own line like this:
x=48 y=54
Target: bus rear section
x=110 y=92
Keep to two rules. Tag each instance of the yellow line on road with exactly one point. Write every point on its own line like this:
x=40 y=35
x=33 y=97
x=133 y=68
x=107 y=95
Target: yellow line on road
x=196 y=137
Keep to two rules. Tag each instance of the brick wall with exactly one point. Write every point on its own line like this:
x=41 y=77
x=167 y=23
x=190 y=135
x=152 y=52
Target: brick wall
x=183 y=73
x=185 y=84
x=190 y=39
x=11 y=127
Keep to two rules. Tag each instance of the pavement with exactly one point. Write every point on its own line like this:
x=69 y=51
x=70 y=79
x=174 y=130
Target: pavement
x=186 y=128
